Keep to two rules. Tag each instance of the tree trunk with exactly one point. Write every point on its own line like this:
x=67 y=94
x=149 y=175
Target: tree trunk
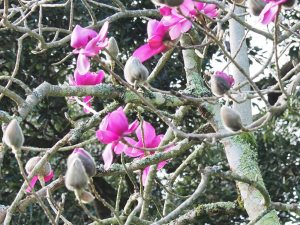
x=240 y=150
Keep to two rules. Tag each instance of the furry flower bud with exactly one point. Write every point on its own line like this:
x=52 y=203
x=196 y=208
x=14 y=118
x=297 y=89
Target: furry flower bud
x=256 y=6
x=86 y=197
x=113 y=48
x=231 y=119
x=135 y=71
x=289 y=3
x=86 y=159
x=76 y=177
x=44 y=170
x=13 y=135
x=221 y=83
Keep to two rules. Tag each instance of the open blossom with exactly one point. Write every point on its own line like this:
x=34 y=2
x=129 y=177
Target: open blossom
x=155 y=44
x=269 y=12
x=113 y=127
x=178 y=21
x=81 y=36
x=87 y=45
x=146 y=139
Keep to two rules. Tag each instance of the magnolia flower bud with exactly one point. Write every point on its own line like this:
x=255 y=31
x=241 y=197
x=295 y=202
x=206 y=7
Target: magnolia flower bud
x=289 y=3
x=256 y=6
x=112 y=48
x=86 y=159
x=231 y=119
x=86 y=197
x=13 y=135
x=221 y=83
x=76 y=178
x=171 y=3
x=44 y=171
x=135 y=71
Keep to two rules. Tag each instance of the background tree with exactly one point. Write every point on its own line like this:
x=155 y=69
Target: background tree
x=255 y=175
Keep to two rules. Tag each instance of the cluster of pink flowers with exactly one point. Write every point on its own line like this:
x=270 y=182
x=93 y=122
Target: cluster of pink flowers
x=115 y=128
x=87 y=43
x=175 y=21
x=269 y=12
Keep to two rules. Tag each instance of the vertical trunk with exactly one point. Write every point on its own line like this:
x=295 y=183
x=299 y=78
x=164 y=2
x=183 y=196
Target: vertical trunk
x=240 y=150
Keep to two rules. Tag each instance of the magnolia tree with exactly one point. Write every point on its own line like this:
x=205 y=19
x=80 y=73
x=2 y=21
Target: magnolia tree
x=126 y=124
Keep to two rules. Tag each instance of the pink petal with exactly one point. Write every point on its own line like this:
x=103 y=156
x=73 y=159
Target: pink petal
x=118 y=122
x=87 y=101
x=145 y=175
x=189 y=4
x=49 y=176
x=199 y=5
x=32 y=184
x=156 y=141
x=106 y=136
x=165 y=10
x=83 y=64
x=119 y=148
x=175 y=31
x=108 y=156
x=89 y=78
x=151 y=27
x=71 y=81
x=186 y=26
x=103 y=32
x=155 y=41
x=95 y=45
x=268 y=13
x=92 y=49
x=133 y=152
x=149 y=133
x=104 y=123
x=208 y=8
x=132 y=127
x=80 y=36
x=170 y=20
x=161 y=165
x=145 y=52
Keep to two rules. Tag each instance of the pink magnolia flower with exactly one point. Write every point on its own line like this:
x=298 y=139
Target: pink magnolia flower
x=81 y=36
x=208 y=9
x=269 y=12
x=178 y=20
x=90 y=78
x=151 y=140
x=155 y=43
x=88 y=45
x=177 y=23
x=113 y=127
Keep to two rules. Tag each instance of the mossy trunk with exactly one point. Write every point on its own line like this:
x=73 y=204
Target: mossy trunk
x=241 y=150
